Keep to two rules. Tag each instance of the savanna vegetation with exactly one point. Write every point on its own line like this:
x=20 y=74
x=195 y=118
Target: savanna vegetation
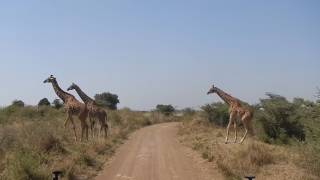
x=34 y=142
x=285 y=146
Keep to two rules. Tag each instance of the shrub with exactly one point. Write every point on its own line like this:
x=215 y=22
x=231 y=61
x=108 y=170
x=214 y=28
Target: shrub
x=165 y=109
x=107 y=99
x=44 y=102
x=217 y=113
x=279 y=120
x=57 y=104
x=18 y=103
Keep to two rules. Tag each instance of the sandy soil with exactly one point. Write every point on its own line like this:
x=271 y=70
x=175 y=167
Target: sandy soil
x=154 y=153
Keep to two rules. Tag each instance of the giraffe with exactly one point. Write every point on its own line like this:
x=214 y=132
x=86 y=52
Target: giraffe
x=94 y=110
x=72 y=106
x=236 y=110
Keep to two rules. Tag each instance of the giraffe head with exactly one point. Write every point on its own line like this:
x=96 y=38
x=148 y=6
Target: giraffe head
x=50 y=79
x=213 y=89
x=72 y=87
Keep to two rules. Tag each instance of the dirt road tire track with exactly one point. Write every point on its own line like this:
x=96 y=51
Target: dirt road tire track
x=153 y=153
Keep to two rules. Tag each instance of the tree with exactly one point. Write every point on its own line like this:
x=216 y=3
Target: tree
x=44 y=102
x=57 y=103
x=280 y=120
x=165 y=109
x=18 y=103
x=107 y=99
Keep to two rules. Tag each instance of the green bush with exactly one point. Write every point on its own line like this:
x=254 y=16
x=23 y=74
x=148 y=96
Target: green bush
x=57 y=104
x=44 y=102
x=279 y=120
x=217 y=113
x=107 y=99
x=165 y=109
x=18 y=103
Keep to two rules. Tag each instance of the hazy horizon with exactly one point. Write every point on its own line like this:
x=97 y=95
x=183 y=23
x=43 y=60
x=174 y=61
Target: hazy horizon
x=167 y=52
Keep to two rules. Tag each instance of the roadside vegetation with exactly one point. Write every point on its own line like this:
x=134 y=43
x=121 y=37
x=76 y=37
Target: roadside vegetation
x=34 y=142
x=285 y=146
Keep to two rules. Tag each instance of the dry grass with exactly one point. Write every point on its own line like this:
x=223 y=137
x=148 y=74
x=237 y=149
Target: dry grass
x=33 y=143
x=252 y=157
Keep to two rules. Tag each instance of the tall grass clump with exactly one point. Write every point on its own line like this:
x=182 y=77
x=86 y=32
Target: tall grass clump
x=25 y=165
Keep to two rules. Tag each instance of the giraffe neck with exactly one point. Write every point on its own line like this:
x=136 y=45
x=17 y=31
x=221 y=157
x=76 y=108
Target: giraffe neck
x=85 y=98
x=62 y=94
x=226 y=97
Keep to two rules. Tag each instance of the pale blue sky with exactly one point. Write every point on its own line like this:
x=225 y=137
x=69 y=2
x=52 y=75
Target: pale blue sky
x=151 y=52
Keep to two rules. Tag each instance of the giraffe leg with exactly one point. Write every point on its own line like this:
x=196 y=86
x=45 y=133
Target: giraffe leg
x=106 y=130
x=100 y=130
x=84 y=126
x=106 y=127
x=84 y=129
x=87 y=133
x=244 y=136
x=73 y=127
x=102 y=124
x=67 y=120
x=231 y=120
x=245 y=120
x=91 y=126
x=81 y=139
x=235 y=131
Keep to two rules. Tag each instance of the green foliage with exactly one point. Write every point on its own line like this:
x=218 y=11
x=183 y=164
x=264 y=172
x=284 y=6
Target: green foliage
x=57 y=103
x=165 y=109
x=217 y=113
x=18 y=103
x=44 y=102
x=107 y=99
x=188 y=111
x=279 y=119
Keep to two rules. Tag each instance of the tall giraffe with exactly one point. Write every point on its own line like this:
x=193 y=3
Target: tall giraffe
x=72 y=106
x=236 y=110
x=94 y=110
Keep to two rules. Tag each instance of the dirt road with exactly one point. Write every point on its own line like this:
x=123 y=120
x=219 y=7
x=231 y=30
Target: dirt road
x=153 y=153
